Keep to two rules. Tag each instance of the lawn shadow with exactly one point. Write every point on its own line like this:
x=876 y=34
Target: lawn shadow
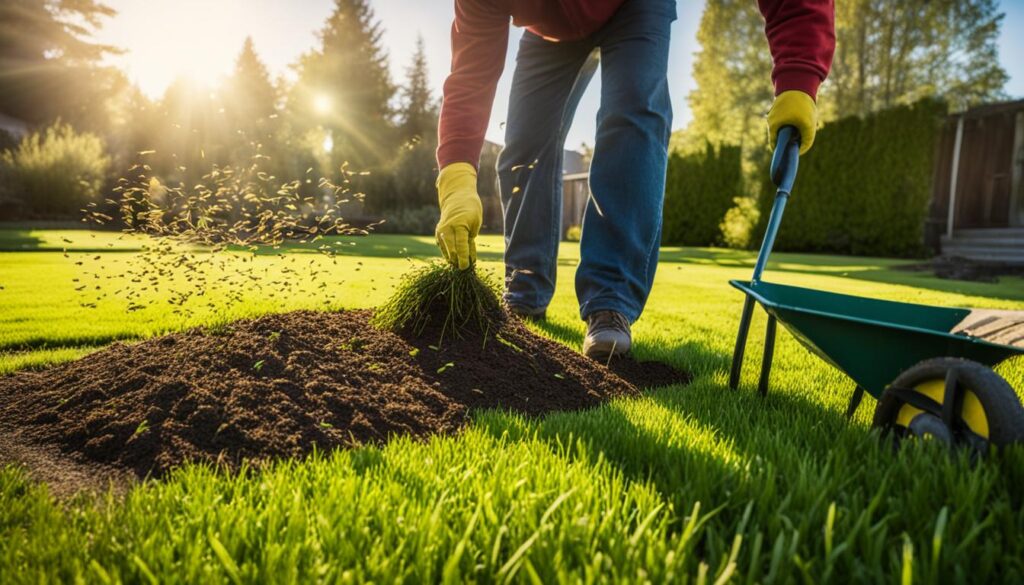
x=374 y=246
x=891 y=271
x=700 y=435
x=16 y=240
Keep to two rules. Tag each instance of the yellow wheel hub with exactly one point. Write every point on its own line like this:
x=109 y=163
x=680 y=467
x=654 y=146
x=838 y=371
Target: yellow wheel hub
x=972 y=412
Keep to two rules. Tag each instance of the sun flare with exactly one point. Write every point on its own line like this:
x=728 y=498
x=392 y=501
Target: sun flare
x=189 y=39
x=322 y=103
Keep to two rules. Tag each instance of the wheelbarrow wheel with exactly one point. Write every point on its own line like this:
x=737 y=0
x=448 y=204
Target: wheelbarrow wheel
x=984 y=410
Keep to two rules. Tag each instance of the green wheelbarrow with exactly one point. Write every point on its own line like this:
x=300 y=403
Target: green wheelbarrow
x=930 y=368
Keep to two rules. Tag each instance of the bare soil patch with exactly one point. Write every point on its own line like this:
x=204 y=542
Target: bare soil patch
x=283 y=385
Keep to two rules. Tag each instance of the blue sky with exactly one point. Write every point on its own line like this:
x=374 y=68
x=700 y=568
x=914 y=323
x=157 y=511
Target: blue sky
x=166 y=38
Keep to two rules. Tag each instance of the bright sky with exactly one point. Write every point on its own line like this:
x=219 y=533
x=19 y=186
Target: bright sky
x=201 y=38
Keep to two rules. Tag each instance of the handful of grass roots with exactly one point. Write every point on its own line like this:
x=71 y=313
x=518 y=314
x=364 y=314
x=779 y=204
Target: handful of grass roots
x=442 y=296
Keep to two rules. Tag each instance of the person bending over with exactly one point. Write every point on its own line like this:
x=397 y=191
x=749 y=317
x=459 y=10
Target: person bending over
x=622 y=221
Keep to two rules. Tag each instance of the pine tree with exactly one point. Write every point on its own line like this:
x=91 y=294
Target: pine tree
x=49 y=67
x=249 y=96
x=415 y=168
x=344 y=87
x=249 y=103
x=418 y=115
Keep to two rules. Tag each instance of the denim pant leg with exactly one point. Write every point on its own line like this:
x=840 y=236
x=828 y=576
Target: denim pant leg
x=622 y=222
x=548 y=82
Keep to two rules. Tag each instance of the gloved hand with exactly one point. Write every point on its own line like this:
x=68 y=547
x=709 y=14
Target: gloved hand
x=793 y=108
x=461 y=214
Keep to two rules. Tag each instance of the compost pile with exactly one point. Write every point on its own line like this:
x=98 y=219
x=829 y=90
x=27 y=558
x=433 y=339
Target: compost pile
x=283 y=385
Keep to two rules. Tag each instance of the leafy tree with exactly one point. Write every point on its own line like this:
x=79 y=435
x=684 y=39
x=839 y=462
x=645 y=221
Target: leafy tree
x=888 y=53
x=733 y=75
x=895 y=52
x=344 y=88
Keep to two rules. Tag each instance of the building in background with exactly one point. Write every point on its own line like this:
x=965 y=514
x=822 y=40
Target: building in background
x=575 y=188
x=977 y=206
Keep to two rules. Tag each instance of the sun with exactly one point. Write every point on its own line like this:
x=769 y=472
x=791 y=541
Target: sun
x=165 y=40
x=322 y=103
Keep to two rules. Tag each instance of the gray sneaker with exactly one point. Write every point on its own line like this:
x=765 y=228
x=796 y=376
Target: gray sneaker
x=607 y=335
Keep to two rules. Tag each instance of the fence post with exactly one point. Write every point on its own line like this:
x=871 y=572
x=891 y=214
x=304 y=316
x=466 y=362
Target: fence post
x=953 y=175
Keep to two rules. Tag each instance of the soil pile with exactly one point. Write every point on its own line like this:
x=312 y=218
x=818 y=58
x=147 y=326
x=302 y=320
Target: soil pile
x=280 y=386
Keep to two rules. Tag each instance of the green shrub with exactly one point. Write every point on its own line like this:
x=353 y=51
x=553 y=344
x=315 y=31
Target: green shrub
x=54 y=172
x=739 y=223
x=700 y=189
x=865 y=186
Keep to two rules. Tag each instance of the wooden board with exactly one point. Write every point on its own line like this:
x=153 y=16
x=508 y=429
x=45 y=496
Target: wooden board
x=1003 y=327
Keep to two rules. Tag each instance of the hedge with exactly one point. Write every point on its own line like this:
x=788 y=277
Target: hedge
x=53 y=172
x=699 y=190
x=864 y=187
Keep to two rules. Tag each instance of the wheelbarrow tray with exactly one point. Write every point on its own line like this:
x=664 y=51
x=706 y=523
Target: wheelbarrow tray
x=870 y=340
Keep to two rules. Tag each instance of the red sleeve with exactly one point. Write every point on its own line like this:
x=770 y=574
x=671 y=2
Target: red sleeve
x=802 y=38
x=479 y=42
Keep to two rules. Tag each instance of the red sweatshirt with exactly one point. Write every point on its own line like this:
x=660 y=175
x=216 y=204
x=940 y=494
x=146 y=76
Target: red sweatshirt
x=801 y=36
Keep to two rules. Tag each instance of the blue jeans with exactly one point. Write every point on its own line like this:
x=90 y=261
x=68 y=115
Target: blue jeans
x=622 y=221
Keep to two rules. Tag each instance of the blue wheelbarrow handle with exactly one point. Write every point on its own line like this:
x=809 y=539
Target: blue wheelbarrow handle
x=783 y=170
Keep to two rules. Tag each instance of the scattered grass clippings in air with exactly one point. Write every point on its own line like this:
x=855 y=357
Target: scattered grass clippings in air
x=437 y=294
x=207 y=236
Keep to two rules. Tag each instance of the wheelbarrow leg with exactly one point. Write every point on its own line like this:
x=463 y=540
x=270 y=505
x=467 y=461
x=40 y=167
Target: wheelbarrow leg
x=858 y=395
x=769 y=351
x=741 y=342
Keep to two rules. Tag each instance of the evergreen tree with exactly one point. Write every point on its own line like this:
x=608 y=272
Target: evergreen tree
x=418 y=116
x=344 y=87
x=49 y=66
x=250 y=98
x=249 y=102
x=412 y=176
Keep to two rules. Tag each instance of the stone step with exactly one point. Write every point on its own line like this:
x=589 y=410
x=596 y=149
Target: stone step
x=991 y=241
x=1009 y=232
x=982 y=253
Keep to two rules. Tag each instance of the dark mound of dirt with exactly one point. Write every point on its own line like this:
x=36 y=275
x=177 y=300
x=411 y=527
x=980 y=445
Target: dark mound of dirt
x=280 y=386
x=953 y=268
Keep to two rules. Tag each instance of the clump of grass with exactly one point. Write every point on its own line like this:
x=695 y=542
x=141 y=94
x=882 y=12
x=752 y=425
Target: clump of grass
x=440 y=295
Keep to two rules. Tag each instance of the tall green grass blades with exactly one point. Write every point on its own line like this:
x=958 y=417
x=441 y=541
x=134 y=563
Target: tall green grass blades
x=225 y=559
x=439 y=295
x=145 y=570
x=396 y=513
x=907 y=573
x=830 y=523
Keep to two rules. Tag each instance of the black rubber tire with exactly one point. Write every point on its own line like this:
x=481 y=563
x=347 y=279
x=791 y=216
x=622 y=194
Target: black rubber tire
x=1002 y=406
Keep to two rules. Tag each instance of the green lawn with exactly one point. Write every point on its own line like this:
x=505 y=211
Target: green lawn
x=693 y=483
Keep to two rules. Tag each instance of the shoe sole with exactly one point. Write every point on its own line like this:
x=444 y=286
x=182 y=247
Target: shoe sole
x=603 y=353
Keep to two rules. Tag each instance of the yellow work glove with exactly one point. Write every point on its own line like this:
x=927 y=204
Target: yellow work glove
x=461 y=214
x=793 y=108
